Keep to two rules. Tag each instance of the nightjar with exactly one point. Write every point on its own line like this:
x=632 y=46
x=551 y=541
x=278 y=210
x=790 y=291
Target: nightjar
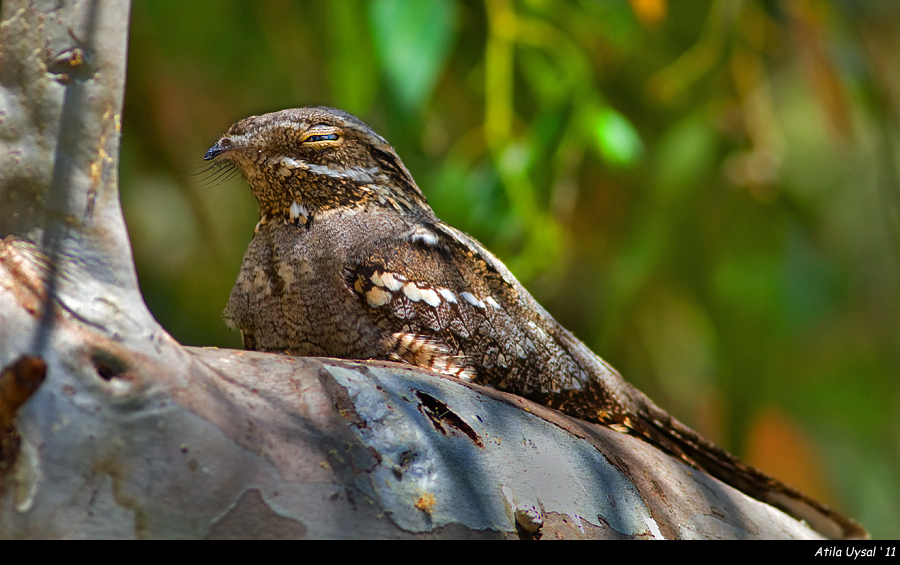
x=348 y=260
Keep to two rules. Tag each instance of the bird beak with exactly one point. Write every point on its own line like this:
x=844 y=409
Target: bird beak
x=214 y=151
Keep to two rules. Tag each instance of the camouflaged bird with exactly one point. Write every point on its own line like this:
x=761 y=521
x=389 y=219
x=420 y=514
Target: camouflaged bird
x=348 y=260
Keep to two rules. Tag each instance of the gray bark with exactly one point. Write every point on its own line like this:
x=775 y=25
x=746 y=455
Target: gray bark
x=131 y=435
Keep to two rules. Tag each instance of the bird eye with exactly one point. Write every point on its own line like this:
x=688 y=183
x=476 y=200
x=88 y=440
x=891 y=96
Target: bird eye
x=325 y=137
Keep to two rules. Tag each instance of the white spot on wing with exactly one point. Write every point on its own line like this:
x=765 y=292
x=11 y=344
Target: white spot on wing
x=492 y=303
x=377 y=297
x=388 y=280
x=412 y=292
x=470 y=298
x=430 y=297
x=425 y=236
x=447 y=294
x=297 y=210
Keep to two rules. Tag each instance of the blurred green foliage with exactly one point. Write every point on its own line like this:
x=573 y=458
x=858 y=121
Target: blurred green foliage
x=707 y=194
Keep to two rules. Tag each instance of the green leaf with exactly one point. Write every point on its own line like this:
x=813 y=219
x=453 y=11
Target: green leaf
x=617 y=141
x=412 y=40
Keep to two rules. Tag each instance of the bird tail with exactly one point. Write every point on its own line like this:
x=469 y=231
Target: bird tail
x=670 y=435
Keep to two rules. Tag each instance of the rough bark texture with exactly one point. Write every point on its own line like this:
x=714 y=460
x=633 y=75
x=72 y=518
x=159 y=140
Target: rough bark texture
x=112 y=429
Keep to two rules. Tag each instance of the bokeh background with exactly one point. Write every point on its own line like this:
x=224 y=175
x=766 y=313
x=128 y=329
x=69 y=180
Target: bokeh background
x=707 y=194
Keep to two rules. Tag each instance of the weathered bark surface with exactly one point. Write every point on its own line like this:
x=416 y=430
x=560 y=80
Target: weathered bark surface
x=132 y=435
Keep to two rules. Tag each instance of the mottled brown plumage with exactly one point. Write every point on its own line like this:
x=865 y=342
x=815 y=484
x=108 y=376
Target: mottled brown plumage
x=348 y=260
